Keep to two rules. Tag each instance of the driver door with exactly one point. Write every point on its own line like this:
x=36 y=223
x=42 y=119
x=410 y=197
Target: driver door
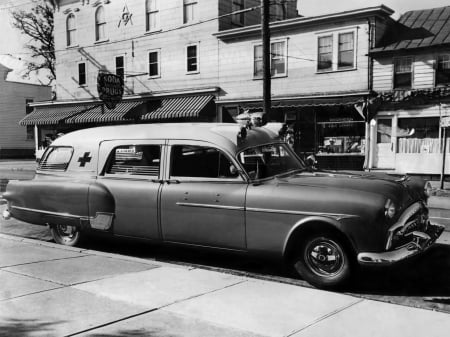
x=203 y=201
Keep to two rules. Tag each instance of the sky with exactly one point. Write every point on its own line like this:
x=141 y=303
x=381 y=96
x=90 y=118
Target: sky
x=12 y=42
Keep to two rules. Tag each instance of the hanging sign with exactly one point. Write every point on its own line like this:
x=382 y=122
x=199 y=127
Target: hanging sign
x=110 y=89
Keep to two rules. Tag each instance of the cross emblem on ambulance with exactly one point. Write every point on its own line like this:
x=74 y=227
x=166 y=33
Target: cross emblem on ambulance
x=84 y=159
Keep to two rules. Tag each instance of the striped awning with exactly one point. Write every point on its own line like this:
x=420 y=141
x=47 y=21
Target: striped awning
x=101 y=114
x=176 y=107
x=53 y=114
x=78 y=113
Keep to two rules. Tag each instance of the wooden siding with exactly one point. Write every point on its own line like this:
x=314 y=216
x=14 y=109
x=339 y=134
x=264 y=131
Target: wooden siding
x=423 y=70
x=13 y=97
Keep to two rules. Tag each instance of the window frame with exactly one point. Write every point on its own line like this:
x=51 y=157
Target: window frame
x=71 y=40
x=170 y=156
x=438 y=62
x=197 y=58
x=28 y=110
x=149 y=12
x=193 y=6
x=336 y=50
x=272 y=58
x=124 y=65
x=79 y=74
x=237 y=20
x=280 y=12
x=100 y=24
x=158 y=53
x=395 y=73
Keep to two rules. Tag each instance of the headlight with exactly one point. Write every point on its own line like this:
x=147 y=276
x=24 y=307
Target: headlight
x=389 y=209
x=427 y=189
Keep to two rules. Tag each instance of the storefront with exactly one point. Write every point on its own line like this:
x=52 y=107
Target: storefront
x=328 y=127
x=53 y=118
x=408 y=135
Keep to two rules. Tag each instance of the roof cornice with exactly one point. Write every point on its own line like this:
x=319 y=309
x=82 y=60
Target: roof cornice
x=300 y=22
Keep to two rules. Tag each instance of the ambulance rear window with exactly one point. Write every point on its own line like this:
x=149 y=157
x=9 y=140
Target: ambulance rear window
x=56 y=158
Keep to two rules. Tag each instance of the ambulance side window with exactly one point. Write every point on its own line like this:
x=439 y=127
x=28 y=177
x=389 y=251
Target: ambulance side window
x=136 y=160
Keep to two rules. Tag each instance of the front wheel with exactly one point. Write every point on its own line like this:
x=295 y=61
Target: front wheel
x=65 y=235
x=323 y=261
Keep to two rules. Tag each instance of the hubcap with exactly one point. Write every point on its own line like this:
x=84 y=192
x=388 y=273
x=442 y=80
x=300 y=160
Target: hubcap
x=324 y=257
x=67 y=233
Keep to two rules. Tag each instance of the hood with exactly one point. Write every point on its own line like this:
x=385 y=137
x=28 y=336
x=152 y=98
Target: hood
x=403 y=190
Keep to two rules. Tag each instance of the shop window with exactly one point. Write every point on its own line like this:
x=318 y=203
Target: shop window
x=325 y=56
x=71 y=30
x=152 y=15
x=135 y=160
x=189 y=11
x=384 y=130
x=278 y=60
x=443 y=70
x=418 y=135
x=192 y=59
x=28 y=110
x=120 y=66
x=153 y=63
x=200 y=162
x=100 y=24
x=82 y=74
x=403 y=73
x=237 y=19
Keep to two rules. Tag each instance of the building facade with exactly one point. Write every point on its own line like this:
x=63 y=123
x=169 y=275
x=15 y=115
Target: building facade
x=15 y=140
x=411 y=73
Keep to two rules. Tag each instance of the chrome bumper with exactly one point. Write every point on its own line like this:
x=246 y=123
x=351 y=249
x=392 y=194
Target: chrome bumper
x=421 y=241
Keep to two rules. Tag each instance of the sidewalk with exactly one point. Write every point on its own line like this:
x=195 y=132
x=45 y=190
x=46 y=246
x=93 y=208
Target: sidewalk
x=52 y=290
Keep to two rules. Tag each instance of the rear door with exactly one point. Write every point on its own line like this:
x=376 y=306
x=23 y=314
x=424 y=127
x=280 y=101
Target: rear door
x=203 y=198
x=132 y=174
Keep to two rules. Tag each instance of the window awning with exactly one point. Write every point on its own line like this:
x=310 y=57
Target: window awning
x=101 y=114
x=176 y=107
x=47 y=115
x=126 y=111
x=306 y=102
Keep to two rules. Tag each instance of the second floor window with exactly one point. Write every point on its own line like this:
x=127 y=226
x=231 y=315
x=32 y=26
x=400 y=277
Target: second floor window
x=152 y=18
x=443 y=70
x=325 y=53
x=346 y=51
x=192 y=59
x=100 y=24
x=71 y=30
x=189 y=10
x=237 y=19
x=279 y=10
x=120 y=66
x=28 y=110
x=403 y=73
x=82 y=73
x=278 y=60
x=153 y=63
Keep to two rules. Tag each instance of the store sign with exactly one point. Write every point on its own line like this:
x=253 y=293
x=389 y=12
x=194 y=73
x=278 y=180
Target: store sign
x=110 y=89
x=445 y=122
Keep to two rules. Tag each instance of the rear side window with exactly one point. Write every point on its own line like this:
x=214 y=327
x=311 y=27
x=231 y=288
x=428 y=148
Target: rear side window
x=56 y=158
x=139 y=160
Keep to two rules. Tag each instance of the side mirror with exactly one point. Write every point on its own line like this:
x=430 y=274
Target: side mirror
x=311 y=162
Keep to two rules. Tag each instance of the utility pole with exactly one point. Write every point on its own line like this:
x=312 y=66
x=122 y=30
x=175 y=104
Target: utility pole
x=265 y=32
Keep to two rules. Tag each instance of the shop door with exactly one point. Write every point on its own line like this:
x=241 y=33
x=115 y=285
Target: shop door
x=385 y=149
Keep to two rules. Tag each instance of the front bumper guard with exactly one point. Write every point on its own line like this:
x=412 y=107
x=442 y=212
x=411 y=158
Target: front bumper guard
x=421 y=242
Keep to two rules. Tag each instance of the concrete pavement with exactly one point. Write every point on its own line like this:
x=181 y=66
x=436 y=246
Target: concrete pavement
x=52 y=290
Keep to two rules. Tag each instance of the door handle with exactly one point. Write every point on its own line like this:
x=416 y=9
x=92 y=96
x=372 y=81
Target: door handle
x=172 y=181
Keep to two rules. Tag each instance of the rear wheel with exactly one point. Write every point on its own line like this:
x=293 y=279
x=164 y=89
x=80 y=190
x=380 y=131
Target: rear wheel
x=323 y=260
x=65 y=235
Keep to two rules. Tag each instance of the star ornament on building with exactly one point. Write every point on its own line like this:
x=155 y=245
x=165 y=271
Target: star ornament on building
x=126 y=16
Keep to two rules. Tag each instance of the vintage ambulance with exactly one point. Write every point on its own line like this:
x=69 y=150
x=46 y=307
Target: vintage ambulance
x=226 y=187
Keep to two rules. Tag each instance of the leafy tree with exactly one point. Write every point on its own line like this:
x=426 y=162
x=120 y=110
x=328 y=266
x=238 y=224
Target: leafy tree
x=37 y=23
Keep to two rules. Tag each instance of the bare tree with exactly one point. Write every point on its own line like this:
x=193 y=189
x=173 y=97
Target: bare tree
x=37 y=23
